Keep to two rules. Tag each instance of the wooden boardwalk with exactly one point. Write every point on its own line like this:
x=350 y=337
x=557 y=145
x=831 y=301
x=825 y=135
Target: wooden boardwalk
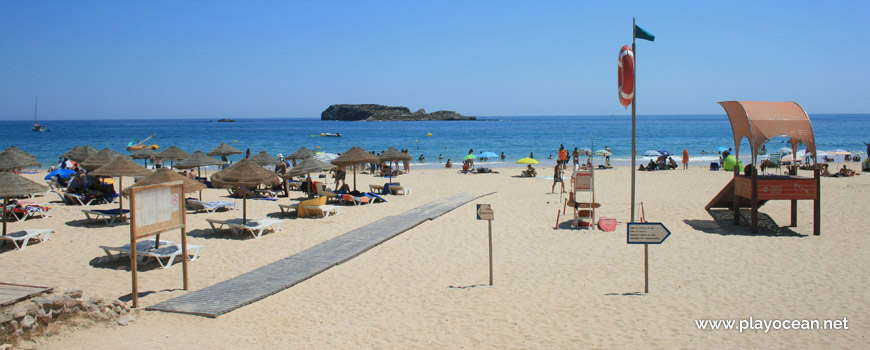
x=12 y=293
x=245 y=289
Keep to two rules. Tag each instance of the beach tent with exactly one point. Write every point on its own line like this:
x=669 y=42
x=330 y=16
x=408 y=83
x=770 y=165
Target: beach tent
x=761 y=121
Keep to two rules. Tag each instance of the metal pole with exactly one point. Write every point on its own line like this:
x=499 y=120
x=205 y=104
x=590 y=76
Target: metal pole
x=633 y=118
x=646 y=268
x=490 y=251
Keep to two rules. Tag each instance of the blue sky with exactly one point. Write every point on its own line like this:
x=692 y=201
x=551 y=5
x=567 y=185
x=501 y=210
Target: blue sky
x=236 y=59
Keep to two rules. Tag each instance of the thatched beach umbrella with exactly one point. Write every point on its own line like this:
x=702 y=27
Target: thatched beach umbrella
x=224 y=150
x=12 y=185
x=308 y=166
x=164 y=175
x=353 y=157
x=11 y=160
x=173 y=153
x=301 y=153
x=120 y=167
x=17 y=150
x=392 y=155
x=103 y=157
x=245 y=173
x=197 y=160
x=265 y=159
x=79 y=154
x=146 y=154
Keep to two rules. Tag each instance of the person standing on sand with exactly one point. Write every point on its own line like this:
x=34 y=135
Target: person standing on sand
x=868 y=149
x=563 y=155
x=685 y=158
x=576 y=155
x=557 y=178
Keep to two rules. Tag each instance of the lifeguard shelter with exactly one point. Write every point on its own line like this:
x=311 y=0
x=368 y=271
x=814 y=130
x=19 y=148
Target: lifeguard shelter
x=759 y=122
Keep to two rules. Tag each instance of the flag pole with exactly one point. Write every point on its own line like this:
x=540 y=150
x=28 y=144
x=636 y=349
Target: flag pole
x=633 y=118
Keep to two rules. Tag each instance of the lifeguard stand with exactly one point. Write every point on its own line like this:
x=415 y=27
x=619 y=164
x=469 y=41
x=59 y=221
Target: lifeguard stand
x=584 y=207
x=759 y=122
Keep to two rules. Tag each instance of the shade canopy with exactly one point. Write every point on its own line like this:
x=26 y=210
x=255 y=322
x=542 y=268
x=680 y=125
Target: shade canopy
x=11 y=160
x=14 y=149
x=761 y=121
x=164 y=175
x=245 y=173
x=354 y=156
x=392 y=154
x=173 y=153
x=79 y=154
x=224 y=150
x=103 y=157
x=145 y=153
x=197 y=159
x=309 y=165
x=264 y=159
x=13 y=185
x=301 y=153
x=121 y=166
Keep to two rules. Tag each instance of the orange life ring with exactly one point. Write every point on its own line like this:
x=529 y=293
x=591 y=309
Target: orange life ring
x=626 y=76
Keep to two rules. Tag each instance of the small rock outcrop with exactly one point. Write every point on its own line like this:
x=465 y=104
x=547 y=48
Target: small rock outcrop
x=371 y=112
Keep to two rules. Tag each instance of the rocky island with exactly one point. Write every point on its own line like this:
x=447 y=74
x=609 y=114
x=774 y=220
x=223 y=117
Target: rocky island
x=372 y=112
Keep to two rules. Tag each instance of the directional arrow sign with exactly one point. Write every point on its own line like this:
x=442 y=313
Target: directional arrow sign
x=647 y=233
x=484 y=212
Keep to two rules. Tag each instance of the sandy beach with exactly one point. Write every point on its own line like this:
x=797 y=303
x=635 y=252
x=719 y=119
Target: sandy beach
x=427 y=288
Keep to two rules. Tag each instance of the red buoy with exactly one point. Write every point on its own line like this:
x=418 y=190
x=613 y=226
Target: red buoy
x=626 y=76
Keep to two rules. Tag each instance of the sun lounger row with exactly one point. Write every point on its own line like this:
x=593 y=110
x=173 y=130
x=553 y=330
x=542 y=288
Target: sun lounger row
x=209 y=207
x=255 y=227
x=109 y=216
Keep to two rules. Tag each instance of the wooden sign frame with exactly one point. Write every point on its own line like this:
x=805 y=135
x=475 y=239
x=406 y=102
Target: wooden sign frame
x=155 y=209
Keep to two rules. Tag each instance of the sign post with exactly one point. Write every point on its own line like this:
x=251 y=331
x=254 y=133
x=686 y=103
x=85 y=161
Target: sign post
x=484 y=212
x=647 y=233
x=155 y=209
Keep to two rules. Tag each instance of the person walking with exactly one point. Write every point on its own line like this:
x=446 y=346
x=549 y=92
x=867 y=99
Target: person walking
x=685 y=158
x=557 y=178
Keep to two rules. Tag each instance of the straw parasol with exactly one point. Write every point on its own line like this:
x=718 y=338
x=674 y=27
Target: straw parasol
x=103 y=157
x=245 y=173
x=392 y=155
x=265 y=159
x=164 y=175
x=353 y=157
x=11 y=160
x=12 y=185
x=308 y=166
x=301 y=153
x=120 y=167
x=197 y=160
x=79 y=154
x=14 y=149
x=146 y=154
x=173 y=153
x=224 y=150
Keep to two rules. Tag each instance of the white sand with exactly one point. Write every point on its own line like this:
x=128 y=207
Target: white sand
x=553 y=288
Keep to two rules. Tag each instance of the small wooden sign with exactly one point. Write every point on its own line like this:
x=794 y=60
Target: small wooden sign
x=583 y=181
x=484 y=212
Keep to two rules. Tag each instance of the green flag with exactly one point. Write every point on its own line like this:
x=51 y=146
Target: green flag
x=642 y=34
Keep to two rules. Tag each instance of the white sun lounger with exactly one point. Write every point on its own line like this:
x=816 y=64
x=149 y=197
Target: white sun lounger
x=396 y=189
x=255 y=227
x=107 y=215
x=209 y=207
x=22 y=214
x=21 y=238
x=145 y=249
x=322 y=211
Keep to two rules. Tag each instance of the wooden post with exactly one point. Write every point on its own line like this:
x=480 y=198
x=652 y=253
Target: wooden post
x=753 y=222
x=5 y=203
x=793 y=213
x=489 y=222
x=817 y=204
x=184 y=252
x=558 y=213
x=646 y=268
x=133 y=249
x=736 y=199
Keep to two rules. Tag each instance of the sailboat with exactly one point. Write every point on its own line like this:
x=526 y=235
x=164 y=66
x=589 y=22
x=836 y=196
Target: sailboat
x=36 y=126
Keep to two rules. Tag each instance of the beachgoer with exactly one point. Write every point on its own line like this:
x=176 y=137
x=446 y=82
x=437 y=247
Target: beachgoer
x=550 y=157
x=449 y=163
x=576 y=155
x=685 y=158
x=421 y=158
x=531 y=155
x=726 y=153
x=671 y=163
x=502 y=155
x=607 y=161
x=557 y=178
x=868 y=149
x=563 y=155
x=440 y=157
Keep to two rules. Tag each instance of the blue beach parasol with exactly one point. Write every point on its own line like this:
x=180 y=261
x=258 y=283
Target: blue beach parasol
x=665 y=152
x=485 y=156
x=64 y=173
x=651 y=153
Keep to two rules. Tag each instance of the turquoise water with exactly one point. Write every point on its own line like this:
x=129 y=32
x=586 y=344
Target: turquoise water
x=515 y=136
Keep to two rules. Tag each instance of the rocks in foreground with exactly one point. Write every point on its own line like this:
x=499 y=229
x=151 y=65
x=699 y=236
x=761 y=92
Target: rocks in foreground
x=372 y=112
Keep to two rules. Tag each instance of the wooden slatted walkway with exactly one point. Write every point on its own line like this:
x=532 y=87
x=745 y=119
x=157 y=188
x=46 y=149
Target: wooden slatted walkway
x=250 y=287
x=13 y=293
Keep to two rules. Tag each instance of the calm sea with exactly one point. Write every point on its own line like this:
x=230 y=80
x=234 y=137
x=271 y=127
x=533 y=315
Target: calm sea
x=517 y=137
